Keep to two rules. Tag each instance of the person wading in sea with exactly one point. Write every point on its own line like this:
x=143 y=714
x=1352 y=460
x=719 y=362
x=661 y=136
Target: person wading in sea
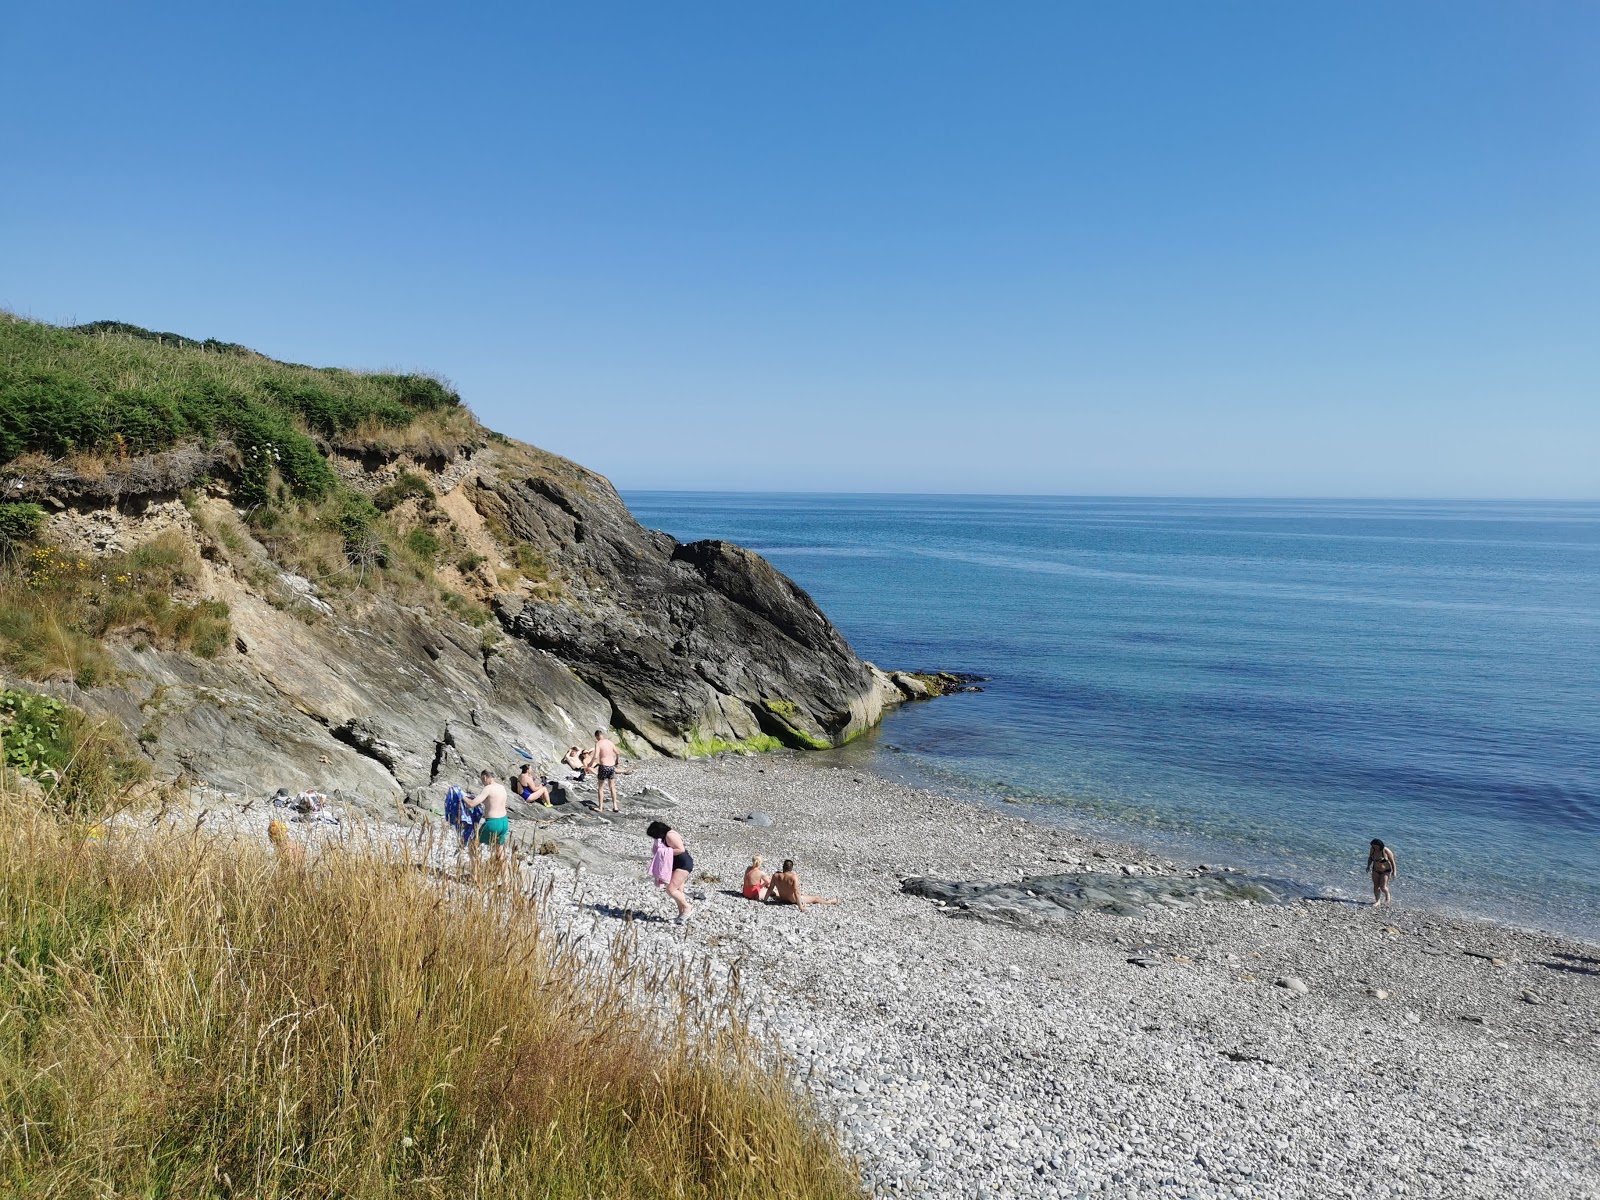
x=1380 y=861
x=605 y=770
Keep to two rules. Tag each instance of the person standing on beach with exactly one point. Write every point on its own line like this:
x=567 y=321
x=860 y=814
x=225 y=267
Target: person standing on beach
x=1381 y=863
x=605 y=770
x=496 y=828
x=666 y=836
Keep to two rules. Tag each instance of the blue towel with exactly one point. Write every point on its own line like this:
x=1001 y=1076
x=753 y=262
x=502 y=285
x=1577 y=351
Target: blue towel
x=458 y=813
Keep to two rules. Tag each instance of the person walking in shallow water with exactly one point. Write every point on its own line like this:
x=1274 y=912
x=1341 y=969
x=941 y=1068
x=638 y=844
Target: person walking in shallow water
x=1381 y=863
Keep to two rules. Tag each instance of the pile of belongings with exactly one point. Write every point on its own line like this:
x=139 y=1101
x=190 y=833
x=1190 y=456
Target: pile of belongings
x=310 y=805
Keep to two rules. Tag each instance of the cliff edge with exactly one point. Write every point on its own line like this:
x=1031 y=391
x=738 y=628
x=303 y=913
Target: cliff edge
x=273 y=575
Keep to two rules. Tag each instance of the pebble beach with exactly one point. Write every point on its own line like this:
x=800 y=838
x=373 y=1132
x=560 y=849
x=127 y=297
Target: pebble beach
x=1306 y=1049
x=998 y=1008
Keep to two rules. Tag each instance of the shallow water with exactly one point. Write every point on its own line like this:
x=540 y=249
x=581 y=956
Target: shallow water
x=1274 y=682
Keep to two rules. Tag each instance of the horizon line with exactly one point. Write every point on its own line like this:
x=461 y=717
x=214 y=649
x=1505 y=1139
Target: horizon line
x=1218 y=496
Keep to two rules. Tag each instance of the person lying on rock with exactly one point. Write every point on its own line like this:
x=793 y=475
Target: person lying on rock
x=578 y=761
x=786 y=889
x=757 y=883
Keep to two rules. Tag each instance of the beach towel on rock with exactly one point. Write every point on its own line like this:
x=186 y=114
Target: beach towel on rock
x=661 y=863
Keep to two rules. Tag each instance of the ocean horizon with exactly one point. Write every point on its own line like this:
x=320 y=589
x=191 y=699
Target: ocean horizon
x=1264 y=682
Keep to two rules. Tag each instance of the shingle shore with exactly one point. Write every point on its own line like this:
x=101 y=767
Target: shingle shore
x=1127 y=1056
x=1204 y=1049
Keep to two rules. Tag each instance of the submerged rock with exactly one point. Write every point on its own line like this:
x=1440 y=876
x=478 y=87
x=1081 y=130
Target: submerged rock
x=1054 y=897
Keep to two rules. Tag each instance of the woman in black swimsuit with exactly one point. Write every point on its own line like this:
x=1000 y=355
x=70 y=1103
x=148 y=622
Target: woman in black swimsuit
x=1380 y=862
x=682 y=866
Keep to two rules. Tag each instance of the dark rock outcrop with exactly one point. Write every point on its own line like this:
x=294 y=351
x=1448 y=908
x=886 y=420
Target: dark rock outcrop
x=689 y=643
x=1045 y=898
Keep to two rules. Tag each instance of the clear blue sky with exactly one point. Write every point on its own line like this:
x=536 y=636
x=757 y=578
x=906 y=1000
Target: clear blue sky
x=1163 y=248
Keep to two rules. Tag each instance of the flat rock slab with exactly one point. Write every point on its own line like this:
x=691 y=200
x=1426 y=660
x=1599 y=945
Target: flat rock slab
x=1054 y=897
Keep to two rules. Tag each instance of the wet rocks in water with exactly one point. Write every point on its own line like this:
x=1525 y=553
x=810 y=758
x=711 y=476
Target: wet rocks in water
x=1052 y=897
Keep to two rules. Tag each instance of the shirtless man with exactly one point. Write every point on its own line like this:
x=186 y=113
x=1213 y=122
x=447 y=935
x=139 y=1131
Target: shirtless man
x=785 y=887
x=496 y=828
x=606 y=757
x=579 y=761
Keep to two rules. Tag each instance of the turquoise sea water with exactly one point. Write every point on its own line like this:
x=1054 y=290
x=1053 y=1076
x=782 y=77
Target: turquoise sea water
x=1270 y=683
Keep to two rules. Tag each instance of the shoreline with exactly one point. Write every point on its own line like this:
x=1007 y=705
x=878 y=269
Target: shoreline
x=1059 y=813
x=1421 y=1054
x=1429 y=1055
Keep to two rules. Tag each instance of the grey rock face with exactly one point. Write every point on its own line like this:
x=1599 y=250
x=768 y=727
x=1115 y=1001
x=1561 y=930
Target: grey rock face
x=1028 y=902
x=611 y=626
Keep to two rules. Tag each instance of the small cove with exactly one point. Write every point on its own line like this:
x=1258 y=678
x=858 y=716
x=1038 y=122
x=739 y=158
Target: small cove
x=1269 y=683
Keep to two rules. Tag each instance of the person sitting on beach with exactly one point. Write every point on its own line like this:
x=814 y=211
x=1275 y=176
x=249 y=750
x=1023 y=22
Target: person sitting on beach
x=578 y=761
x=531 y=788
x=785 y=887
x=606 y=757
x=681 y=868
x=1381 y=863
x=757 y=883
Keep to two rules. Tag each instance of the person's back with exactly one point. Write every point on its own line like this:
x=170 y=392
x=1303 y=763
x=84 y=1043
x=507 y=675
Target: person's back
x=606 y=756
x=492 y=797
x=757 y=883
x=786 y=887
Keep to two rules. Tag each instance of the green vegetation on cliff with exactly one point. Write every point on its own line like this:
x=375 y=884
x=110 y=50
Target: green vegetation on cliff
x=189 y=1018
x=82 y=766
x=110 y=389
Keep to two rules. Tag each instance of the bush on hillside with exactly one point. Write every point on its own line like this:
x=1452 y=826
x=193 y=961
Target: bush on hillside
x=57 y=609
x=84 y=765
x=19 y=523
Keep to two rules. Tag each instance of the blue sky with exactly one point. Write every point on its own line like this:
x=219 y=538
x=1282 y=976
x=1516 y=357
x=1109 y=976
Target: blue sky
x=1152 y=248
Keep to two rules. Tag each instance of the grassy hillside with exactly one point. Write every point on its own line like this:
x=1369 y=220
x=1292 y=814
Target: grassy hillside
x=114 y=390
x=187 y=1018
x=86 y=403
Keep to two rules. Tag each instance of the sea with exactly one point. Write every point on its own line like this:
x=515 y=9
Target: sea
x=1264 y=683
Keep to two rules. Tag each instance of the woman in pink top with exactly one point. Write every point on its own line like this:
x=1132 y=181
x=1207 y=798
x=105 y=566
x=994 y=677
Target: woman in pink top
x=681 y=867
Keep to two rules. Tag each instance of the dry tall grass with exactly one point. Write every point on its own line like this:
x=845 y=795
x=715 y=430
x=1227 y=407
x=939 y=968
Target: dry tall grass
x=182 y=1016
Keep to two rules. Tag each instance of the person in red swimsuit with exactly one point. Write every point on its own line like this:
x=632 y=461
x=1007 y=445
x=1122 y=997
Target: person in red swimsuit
x=757 y=883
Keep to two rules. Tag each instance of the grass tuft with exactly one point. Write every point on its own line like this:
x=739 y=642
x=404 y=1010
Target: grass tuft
x=57 y=609
x=187 y=1017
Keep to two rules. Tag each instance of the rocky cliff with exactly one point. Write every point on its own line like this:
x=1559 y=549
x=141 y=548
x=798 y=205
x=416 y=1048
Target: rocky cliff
x=458 y=598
